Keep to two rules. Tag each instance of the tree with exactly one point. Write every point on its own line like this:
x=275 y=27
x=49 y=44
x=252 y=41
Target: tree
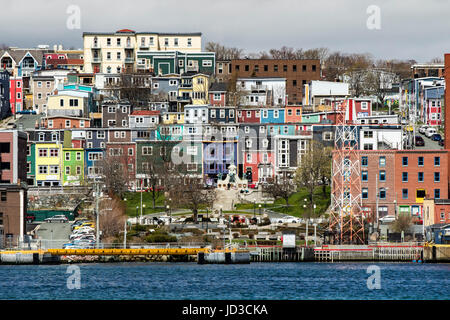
x=116 y=174
x=314 y=168
x=112 y=217
x=222 y=52
x=402 y=223
x=188 y=192
x=279 y=187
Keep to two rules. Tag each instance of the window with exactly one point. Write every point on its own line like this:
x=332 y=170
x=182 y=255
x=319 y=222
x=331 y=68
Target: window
x=189 y=42
x=364 y=161
x=368 y=134
x=420 y=176
x=364 y=175
x=73 y=102
x=100 y=134
x=420 y=161
x=404 y=176
x=382 y=193
x=404 y=193
x=365 y=193
x=437 y=193
x=405 y=161
x=437 y=161
x=61 y=102
x=118 y=55
x=382 y=175
x=54 y=169
x=151 y=41
x=67 y=156
x=285 y=68
x=368 y=146
x=42 y=152
x=67 y=123
x=437 y=177
x=304 y=68
x=313 y=68
x=130 y=151
x=382 y=161
x=175 y=42
x=207 y=63
x=249 y=157
x=275 y=68
x=67 y=169
x=54 y=152
x=42 y=169
x=78 y=156
x=147 y=151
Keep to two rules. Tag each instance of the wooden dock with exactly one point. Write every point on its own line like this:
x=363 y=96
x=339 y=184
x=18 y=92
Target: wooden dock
x=369 y=253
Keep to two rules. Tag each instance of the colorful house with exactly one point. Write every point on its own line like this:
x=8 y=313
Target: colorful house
x=48 y=163
x=73 y=166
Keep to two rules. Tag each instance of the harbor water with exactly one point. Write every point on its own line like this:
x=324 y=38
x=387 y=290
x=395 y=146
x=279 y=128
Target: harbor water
x=279 y=281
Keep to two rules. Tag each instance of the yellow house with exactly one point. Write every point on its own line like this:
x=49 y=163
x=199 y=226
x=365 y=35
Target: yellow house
x=200 y=85
x=66 y=105
x=48 y=163
x=173 y=118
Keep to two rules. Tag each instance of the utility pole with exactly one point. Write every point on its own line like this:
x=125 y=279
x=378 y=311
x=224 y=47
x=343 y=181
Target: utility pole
x=97 y=215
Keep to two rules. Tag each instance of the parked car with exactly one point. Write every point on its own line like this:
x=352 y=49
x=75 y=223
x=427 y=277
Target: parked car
x=419 y=142
x=423 y=128
x=436 y=137
x=430 y=131
x=58 y=218
x=387 y=219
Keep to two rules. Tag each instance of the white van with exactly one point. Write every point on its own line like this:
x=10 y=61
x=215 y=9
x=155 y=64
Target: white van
x=430 y=131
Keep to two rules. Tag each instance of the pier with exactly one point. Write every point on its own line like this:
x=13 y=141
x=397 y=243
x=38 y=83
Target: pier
x=387 y=252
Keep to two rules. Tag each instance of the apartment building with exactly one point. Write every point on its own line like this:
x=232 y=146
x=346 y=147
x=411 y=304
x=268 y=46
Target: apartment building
x=112 y=52
x=296 y=72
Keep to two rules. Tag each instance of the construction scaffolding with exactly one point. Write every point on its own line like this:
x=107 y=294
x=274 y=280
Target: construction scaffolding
x=346 y=219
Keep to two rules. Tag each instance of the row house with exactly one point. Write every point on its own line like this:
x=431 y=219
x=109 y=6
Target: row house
x=144 y=119
x=433 y=103
x=42 y=87
x=193 y=89
x=67 y=104
x=163 y=63
x=115 y=113
x=66 y=122
x=218 y=94
x=5 y=108
x=222 y=114
x=16 y=97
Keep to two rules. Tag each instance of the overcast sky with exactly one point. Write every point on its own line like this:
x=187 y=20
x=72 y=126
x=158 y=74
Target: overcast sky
x=415 y=29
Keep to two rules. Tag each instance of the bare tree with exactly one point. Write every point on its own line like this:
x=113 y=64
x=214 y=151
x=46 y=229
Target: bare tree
x=112 y=217
x=402 y=223
x=279 y=187
x=315 y=168
x=116 y=174
x=189 y=192
x=222 y=52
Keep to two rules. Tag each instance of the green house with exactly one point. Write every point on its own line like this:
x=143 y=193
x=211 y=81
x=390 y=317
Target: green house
x=31 y=164
x=73 y=166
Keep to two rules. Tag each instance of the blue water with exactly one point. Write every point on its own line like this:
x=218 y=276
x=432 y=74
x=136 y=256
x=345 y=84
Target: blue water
x=279 y=281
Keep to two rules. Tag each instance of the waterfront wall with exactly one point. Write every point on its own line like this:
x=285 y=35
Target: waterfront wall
x=436 y=253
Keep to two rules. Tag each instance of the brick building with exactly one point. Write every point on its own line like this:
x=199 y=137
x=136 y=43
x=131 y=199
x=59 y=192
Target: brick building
x=13 y=187
x=296 y=72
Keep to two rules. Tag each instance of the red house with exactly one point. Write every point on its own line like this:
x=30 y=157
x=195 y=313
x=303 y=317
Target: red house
x=217 y=94
x=249 y=116
x=16 y=94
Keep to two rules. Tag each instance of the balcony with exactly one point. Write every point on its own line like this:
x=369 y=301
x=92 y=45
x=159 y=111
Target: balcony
x=144 y=47
x=96 y=60
x=259 y=87
x=129 y=60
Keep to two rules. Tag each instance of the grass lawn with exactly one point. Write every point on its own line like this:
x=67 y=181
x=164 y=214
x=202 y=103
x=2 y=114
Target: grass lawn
x=134 y=200
x=296 y=202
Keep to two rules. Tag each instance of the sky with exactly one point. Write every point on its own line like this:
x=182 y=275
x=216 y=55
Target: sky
x=403 y=29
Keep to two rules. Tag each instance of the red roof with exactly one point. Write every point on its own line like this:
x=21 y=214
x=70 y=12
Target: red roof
x=125 y=30
x=145 y=113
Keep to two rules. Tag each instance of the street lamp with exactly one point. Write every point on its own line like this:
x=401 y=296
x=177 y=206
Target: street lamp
x=144 y=209
x=259 y=210
x=137 y=208
x=170 y=212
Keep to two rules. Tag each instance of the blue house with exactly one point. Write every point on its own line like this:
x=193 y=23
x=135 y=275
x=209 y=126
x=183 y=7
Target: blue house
x=220 y=114
x=272 y=115
x=217 y=157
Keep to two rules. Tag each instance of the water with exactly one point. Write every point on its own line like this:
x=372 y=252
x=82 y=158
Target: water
x=278 y=281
